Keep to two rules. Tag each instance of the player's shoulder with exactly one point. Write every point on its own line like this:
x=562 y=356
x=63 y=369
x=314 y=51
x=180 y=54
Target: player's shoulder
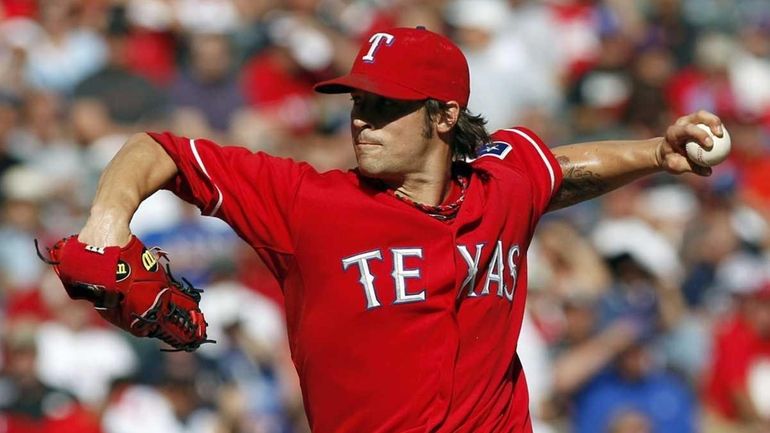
x=338 y=175
x=339 y=180
x=504 y=144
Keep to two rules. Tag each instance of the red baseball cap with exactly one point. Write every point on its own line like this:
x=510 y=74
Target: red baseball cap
x=407 y=63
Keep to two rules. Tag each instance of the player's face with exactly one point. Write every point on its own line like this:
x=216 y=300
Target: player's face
x=389 y=136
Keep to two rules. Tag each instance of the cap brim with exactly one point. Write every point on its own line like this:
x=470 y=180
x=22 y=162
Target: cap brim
x=350 y=82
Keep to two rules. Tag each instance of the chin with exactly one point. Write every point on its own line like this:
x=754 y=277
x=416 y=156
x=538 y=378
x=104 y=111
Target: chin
x=374 y=171
x=377 y=168
x=367 y=165
x=368 y=171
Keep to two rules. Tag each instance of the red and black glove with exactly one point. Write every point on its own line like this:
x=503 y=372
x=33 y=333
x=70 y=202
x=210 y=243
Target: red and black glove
x=132 y=289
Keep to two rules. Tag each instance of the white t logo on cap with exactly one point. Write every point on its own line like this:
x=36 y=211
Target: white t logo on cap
x=376 y=40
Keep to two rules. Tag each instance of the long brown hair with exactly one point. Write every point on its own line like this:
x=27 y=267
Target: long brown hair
x=469 y=133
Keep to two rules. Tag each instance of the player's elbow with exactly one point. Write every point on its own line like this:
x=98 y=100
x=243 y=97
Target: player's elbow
x=142 y=140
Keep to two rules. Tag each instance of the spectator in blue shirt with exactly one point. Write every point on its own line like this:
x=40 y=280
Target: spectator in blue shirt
x=633 y=384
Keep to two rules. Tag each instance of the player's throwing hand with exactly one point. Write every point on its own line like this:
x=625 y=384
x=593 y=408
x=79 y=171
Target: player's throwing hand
x=672 y=154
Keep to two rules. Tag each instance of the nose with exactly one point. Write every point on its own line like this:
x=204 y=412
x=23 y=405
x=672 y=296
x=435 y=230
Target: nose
x=358 y=119
x=360 y=123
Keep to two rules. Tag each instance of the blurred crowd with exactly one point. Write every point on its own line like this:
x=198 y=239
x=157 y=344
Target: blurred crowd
x=648 y=309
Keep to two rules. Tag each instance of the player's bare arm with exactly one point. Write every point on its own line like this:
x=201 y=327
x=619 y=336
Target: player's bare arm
x=595 y=168
x=140 y=168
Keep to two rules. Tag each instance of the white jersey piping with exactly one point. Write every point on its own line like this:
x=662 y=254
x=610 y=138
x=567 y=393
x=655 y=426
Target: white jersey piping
x=540 y=152
x=194 y=149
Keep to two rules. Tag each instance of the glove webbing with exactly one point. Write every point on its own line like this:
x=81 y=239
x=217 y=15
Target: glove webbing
x=175 y=316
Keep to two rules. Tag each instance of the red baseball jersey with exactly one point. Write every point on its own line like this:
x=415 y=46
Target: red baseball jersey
x=397 y=322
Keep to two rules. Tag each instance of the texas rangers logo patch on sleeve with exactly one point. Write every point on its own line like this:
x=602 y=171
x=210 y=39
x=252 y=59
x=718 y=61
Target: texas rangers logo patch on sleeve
x=498 y=149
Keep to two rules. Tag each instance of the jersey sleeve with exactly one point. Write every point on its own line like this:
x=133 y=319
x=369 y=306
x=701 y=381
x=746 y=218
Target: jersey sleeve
x=253 y=192
x=523 y=149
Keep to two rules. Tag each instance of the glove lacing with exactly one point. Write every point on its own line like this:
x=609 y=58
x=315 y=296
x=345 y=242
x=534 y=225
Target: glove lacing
x=176 y=317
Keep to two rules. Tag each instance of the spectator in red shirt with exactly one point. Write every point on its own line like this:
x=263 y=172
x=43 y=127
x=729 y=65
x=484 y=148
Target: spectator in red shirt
x=741 y=357
x=27 y=404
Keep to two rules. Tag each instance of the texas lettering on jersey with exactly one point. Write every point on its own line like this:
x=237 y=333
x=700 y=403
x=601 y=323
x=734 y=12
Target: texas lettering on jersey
x=396 y=321
x=502 y=265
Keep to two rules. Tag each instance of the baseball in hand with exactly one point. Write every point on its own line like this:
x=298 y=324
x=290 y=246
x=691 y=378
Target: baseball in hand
x=717 y=154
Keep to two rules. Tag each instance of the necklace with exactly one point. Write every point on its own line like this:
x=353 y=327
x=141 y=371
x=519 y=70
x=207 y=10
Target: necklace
x=442 y=212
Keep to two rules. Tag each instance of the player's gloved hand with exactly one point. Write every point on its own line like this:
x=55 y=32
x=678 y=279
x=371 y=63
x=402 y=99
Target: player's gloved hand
x=130 y=287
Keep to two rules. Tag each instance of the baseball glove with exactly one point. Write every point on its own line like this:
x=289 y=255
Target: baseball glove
x=131 y=288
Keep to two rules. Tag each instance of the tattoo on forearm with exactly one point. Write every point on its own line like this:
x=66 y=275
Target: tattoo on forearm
x=579 y=184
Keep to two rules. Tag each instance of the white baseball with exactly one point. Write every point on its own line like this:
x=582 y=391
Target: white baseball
x=717 y=154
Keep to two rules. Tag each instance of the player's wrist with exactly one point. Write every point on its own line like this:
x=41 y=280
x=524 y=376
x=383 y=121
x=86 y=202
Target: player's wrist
x=658 y=152
x=106 y=226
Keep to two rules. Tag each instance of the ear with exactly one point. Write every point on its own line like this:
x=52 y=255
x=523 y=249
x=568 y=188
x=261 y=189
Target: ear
x=448 y=118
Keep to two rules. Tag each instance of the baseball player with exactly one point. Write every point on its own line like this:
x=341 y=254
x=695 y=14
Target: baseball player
x=405 y=278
